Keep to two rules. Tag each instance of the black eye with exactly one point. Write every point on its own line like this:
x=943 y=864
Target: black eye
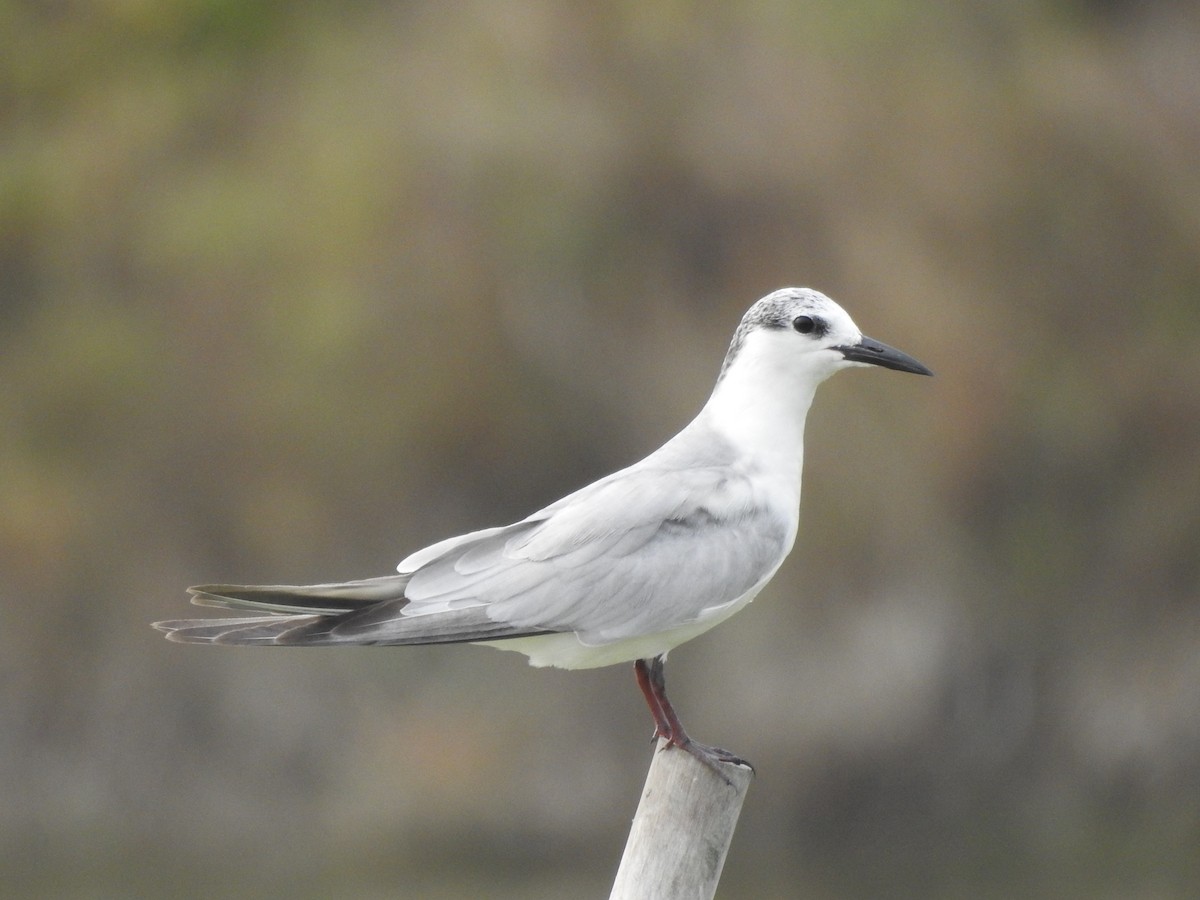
x=804 y=324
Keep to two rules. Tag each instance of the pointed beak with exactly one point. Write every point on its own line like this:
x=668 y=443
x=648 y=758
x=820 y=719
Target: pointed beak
x=871 y=352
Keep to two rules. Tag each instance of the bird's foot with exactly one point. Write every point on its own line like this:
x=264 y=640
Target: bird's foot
x=667 y=726
x=712 y=757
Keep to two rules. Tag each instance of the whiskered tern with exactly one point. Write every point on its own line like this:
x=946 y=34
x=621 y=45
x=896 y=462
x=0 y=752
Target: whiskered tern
x=622 y=570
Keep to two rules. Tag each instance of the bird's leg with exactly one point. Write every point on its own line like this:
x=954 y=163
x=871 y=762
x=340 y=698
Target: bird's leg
x=662 y=725
x=667 y=726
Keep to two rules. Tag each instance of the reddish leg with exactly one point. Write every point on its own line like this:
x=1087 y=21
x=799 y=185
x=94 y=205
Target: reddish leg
x=652 y=681
x=662 y=725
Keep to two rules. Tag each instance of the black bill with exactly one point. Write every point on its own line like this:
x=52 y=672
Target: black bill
x=875 y=353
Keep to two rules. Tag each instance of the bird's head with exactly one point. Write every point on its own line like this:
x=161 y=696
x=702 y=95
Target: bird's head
x=802 y=333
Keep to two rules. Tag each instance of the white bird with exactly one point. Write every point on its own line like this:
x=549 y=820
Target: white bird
x=622 y=570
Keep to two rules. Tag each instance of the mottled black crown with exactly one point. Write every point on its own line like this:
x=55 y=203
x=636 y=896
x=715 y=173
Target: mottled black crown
x=773 y=312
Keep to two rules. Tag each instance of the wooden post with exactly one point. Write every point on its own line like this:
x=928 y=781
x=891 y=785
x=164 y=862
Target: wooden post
x=682 y=829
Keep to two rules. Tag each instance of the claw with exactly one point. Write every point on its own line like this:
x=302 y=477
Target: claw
x=666 y=722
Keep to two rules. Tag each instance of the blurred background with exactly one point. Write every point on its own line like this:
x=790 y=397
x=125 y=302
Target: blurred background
x=289 y=290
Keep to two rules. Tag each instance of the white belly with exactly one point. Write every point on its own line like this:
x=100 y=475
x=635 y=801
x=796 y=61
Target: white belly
x=566 y=651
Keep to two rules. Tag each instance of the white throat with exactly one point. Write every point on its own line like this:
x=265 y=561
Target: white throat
x=762 y=399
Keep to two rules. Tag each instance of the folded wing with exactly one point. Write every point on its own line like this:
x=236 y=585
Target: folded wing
x=642 y=551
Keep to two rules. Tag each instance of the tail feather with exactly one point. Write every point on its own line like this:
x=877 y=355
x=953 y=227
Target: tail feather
x=320 y=599
x=450 y=627
x=248 y=630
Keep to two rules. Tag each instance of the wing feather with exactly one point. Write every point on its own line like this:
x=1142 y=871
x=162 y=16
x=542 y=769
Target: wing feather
x=650 y=550
x=664 y=544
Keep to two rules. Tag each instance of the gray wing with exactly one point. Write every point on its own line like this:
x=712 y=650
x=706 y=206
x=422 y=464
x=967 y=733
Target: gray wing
x=639 y=552
x=644 y=550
